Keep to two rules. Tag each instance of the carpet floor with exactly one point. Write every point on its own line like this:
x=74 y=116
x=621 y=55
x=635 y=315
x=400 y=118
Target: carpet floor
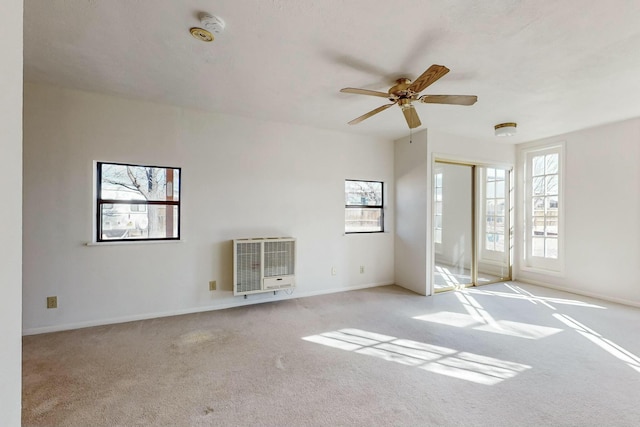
x=506 y=354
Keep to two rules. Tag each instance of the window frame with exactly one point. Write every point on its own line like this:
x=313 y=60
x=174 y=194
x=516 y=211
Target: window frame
x=99 y=202
x=360 y=206
x=542 y=263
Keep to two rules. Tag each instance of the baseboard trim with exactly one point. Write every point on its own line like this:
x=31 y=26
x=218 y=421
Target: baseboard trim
x=242 y=302
x=580 y=292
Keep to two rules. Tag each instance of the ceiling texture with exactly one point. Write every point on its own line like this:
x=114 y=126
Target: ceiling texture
x=552 y=66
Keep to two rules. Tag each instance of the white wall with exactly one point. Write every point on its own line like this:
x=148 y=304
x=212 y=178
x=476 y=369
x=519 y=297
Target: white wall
x=240 y=178
x=11 y=212
x=602 y=213
x=411 y=212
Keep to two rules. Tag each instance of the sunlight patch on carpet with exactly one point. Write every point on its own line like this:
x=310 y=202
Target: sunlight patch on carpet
x=607 y=345
x=533 y=298
x=478 y=318
x=436 y=359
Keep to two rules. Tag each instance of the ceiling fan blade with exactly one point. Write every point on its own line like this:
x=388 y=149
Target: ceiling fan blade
x=429 y=77
x=366 y=92
x=411 y=116
x=449 y=99
x=370 y=113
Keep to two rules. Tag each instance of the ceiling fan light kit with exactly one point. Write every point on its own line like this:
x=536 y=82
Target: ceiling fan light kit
x=505 y=129
x=404 y=92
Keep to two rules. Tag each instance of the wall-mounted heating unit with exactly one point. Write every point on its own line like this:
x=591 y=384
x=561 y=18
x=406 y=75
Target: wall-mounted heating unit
x=263 y=265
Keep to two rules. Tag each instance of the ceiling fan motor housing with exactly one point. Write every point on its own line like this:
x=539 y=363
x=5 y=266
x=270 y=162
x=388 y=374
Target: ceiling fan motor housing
x=400 y=89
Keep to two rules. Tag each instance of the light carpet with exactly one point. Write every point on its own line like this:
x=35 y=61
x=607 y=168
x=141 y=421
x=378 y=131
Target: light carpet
x=505 y=354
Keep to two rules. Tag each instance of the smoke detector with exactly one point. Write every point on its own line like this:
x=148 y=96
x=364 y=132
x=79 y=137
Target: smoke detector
x=212 y=25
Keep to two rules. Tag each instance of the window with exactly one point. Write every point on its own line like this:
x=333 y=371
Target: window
x=437 y=216
x=137 y=202
x=494 y=209
x=363 y=207
x=543 y=203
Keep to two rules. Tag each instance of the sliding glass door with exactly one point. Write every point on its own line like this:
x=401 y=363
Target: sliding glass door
x=471 y=225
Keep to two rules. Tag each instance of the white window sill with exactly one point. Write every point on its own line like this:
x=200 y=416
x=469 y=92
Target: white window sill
x=134 y=242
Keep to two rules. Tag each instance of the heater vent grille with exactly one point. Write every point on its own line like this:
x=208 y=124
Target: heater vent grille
x=248 y=267
x=263 y=265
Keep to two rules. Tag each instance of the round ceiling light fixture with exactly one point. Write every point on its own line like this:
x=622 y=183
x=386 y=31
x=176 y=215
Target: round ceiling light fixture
x=505 y=129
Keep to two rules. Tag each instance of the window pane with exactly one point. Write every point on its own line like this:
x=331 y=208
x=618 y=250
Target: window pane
x=538 y=206
x=489 y=242
x=126 y=182
x=491 y=224
x=491 y=207
x=363 y=193
x=552 y=205
x=119 y=221
x=491 y=190
x=439 y=180
x=538 y=226
x=538 y=186
x=499 y=207
x=438 y=208
x=551 y=164
x=551 y=248
x=363 y=220
x=551 y=226
x=500 y=174
x=438 y=194
x=537 y=247
x=438 y=221
x=552 y=184
x=437 y=236
x=138 y=208
x=491 y=174
x=538 y=165
x=499 y=243
x=500 y=189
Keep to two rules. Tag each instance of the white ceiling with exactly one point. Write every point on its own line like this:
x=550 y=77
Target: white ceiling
x=552 y=66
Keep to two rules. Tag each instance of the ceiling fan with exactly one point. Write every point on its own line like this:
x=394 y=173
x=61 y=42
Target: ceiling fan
x=404 y=92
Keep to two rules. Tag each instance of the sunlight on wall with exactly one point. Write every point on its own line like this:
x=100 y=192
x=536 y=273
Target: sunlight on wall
x=479 y=319
x=440 y=360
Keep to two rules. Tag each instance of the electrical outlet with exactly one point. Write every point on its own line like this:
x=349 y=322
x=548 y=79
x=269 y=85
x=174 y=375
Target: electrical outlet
x=333 y=271
x=212 y=285
x=362 y=269
x=52 y=302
